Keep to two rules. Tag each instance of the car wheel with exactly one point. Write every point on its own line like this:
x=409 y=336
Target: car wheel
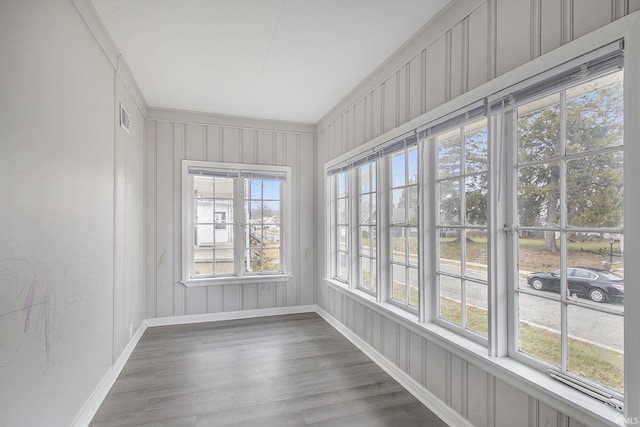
x=597 y=295
x=537 y=284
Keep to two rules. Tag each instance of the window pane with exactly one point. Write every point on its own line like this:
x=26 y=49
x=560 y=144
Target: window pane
x=398 y=178
x=342 y=238
x=365 y=241
x=450 y=251
x=476 y=147
x=365 y=209
x=450 y=302
x=539 y=129
x=594 y=191
x=203 y=262
x=374 y=241
x=203 y=187
x=255 y=189
x=224 y=188
x=449 y=154
x=476 y=255
x=413 y=245
x=477 y=307
x=204 y=211
x=539 y=195
x=254 y=209
x=594 y=114
x=342 y=211
x=365 y=273
x=342 y=265
x=399 y=280
x=342 y=184
x=476 y=199
x=271 y=258
x=373 y=176
x=271 y=190
x=399 y=244
x=204 y=235
x=413 y=287
x=596 y=346
x=450 y=202
x=224 y=260
x=374 y=276
x=255 y=261
x=413 y=165
x=539 y=261
x=413 y=205
x=224 y=238
x=399 y=212
x=271 y=212
x=539 y=328
x=365 y=175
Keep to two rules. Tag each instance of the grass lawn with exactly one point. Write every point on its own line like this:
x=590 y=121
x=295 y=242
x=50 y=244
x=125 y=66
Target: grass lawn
x=588 y=360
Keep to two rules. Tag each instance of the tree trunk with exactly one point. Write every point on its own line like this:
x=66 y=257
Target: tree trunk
x=552 y=219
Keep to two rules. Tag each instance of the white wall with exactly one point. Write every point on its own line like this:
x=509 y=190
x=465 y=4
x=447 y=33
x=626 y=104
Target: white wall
x=65 y=229
x=175 y=135
x=469 y=44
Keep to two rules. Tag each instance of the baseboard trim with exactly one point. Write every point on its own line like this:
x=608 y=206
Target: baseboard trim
x=427 y=398
x=229 y=315
x=92 y=405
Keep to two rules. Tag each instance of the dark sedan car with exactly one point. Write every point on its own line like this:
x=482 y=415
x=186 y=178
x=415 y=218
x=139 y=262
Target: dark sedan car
x=595 y=284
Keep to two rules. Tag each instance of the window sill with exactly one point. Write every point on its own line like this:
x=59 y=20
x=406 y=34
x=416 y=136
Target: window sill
x=539 y=385
x=235 y=280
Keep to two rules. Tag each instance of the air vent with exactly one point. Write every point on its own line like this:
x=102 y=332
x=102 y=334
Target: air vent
x=124 y=118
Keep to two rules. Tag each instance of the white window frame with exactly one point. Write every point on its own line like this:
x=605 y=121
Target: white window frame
x=237 y=171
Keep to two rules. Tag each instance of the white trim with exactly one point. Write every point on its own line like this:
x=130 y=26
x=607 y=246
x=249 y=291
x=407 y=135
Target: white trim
x=94 y=402
x=236 y=280
x=425 y=397
x=230 y=315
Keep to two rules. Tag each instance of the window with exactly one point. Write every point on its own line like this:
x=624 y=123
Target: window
x=568 y=169
x=234 y=222
x=517 y=203
x=461 y=186
x=367 y=230
x=342 y=230
x=403 y=230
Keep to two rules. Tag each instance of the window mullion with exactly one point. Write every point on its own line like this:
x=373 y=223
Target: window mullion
x=353 y=183
x=385 y=246
x=564 y=323
x=240 y=226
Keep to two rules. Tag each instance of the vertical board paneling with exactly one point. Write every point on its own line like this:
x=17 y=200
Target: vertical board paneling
x=280 y=294
x=550 y=25
x=478 y=50
x=376 y=100
x=403 y=349
x=195 y=145
x=349 y=129
x=360 y=124
x=249 y=296
x=231 y=298
x=513 y=34
x=150 y=201
x=214 y=299
x=574 y=423
x=402 y=87
x=390 y=103
x=266 y=147
x=306 y=219
x=589 y=15
x=360 y=321
x=437 y=371
x=214 y=144
x=292 y=156
x=512 y=406
x=280 y=150
x=249 y=146
x=231 y=145
x=416 y=357
x=458 y=74
x=477 y=390
x=376 y=331
x=416 y=88
x=266 y=295
x=634 y=6
x=178 y=289
x=435 y=74
x=458 y=386
x=164 y=220
x=547 y=417
x=390 y=340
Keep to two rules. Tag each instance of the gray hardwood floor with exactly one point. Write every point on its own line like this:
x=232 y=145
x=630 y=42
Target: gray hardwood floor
x=292 y=370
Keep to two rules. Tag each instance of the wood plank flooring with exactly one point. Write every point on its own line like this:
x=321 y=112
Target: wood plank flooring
x=292 y=370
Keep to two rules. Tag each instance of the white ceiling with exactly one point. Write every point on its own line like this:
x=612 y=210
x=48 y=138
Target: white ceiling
x=290 y=60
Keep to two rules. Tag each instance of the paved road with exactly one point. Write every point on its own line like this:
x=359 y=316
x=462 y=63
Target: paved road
x=583 y=323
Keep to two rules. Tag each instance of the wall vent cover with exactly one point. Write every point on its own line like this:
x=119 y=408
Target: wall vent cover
x=124 y=118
